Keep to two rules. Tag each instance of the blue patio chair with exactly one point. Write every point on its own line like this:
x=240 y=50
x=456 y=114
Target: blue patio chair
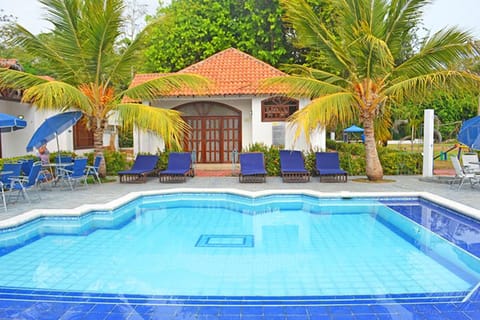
x=76 y=174
x=143 y=166
x=327 y=165
x=93 y=170
x=65 y=159
x=292 y=166
x=252 y=167
x=26 y=166
x=10 y=170
x=24 y=183
x=178 y=168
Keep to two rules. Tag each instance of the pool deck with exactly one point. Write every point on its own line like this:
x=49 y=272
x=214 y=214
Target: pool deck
x=28 y=304
x=63 y=198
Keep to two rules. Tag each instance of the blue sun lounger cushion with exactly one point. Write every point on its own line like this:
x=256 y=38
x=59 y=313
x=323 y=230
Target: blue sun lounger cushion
x=328 y=168
x=292 y=166
x=252 y=167
x=143 y=166
x=178 y=168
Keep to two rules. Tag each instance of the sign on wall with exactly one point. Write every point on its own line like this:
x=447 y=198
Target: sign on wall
x=278 y=134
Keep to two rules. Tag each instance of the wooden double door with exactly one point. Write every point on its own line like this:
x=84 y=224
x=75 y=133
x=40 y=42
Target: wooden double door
x=215 y=132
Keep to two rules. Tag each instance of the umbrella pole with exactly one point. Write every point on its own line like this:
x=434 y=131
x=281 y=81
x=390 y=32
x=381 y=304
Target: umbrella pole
x=58 y=149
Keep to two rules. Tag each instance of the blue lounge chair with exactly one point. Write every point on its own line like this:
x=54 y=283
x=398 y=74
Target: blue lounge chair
x=93 y=170
x=327 y=165
x=76 y=174
x=252 y=167
x=292 y=166
x=143 y=166
x=24 y=183
x=178 y=168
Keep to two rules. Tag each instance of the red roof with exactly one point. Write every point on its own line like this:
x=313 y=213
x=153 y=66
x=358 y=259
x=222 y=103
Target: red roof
x=231 y=72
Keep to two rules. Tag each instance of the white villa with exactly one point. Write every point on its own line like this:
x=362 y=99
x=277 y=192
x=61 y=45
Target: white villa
x=234 y=113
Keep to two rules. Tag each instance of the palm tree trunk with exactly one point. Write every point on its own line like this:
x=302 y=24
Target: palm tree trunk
x=98 y=130
x=373 y=166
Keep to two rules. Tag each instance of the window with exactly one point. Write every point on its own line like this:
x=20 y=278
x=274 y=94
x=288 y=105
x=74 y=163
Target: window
x=278 y=108
x=82 y=137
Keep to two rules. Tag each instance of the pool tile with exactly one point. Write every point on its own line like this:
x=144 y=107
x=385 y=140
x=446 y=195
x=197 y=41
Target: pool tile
x=15 y=302
x=71 y=316
x=252 y=311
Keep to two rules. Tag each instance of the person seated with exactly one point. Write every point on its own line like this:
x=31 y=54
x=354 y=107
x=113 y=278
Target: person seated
x=44 y=154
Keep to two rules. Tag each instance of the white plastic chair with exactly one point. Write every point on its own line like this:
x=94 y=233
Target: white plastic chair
x=471 y=163
x=461 y=176
x=3 y=196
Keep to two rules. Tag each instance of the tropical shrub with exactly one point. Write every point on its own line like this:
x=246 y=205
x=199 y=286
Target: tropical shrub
x=114 y=161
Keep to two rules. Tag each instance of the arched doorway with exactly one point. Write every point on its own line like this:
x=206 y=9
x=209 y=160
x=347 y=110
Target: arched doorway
x=215 y=131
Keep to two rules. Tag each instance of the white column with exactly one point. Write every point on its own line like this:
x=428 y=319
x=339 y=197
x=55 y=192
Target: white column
x=428 y=143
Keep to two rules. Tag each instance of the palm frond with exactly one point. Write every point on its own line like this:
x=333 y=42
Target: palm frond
x=403 y=16
x=423 y=84
x=379 y=59
x=42 y=49
x=312 y=33
x=56 y=95
x=322 y=75
x=128 y=56
x=18 y=80
x=443 y=50
x=297 y=86
x=101 y=30
x=166 y=123
x=327 y=110
x=66 y=48
x=166 y=84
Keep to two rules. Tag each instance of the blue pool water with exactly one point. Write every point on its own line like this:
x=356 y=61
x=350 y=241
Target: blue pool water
x=225 y=245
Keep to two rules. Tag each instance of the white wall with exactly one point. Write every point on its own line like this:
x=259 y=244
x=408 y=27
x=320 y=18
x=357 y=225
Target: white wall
x=262 y=131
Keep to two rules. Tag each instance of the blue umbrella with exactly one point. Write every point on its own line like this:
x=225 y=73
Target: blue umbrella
x=52 y=127
x=353 y=128
x=10 y=123
x=469 y=133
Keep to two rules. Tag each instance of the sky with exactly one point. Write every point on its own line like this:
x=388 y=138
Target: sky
x=438 y=15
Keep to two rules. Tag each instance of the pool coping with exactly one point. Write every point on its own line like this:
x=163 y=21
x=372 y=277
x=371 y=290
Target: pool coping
x=115 y=204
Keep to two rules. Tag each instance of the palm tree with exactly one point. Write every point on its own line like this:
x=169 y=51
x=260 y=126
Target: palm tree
x=366 y=70
x=89 y=68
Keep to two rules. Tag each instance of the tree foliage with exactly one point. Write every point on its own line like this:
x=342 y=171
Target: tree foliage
x=192 y=30
x=88 y=71
x=368 y=71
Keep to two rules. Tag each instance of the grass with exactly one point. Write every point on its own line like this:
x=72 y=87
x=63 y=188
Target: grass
x=437 y=148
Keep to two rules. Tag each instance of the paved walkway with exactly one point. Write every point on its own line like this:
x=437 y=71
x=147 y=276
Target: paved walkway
x=60 y=198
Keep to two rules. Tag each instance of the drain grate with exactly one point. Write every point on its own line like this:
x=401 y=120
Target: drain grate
x=225 y=241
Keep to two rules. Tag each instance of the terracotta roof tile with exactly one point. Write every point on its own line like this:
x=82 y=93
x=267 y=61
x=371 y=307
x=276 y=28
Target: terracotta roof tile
x=231 y=72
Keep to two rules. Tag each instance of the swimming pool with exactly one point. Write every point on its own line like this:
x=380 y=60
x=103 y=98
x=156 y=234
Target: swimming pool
x=279 y=249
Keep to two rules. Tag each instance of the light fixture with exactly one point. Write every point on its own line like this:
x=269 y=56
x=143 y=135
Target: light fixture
x=21 y=117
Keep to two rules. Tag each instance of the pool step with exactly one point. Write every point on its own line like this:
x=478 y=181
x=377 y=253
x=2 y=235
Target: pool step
x=216 y=170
